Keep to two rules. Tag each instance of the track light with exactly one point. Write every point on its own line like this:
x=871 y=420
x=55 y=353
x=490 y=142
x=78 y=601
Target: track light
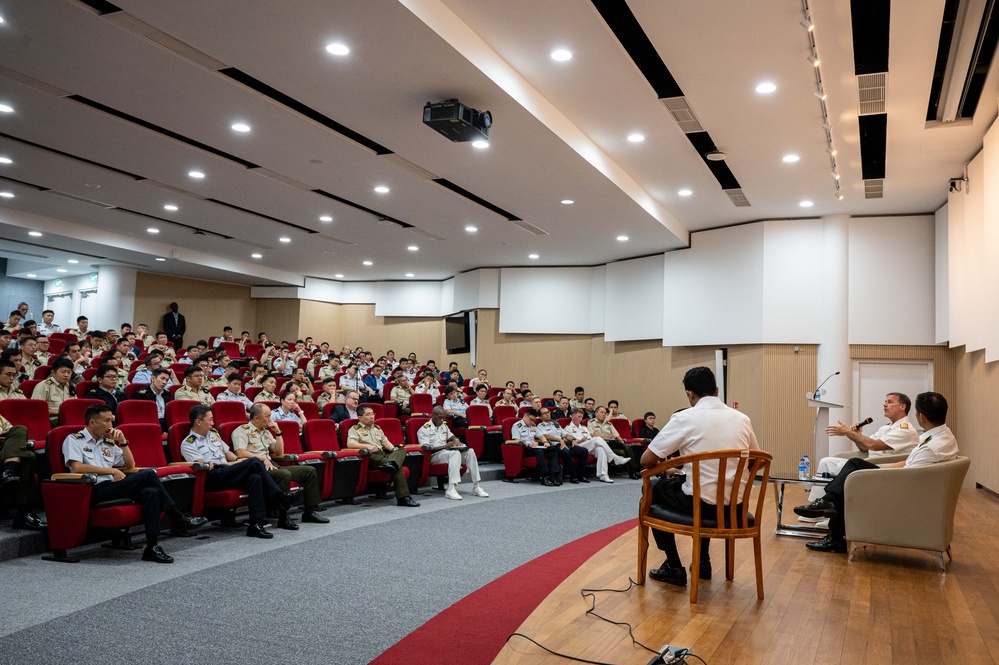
x=807 y=25
x=814 y=59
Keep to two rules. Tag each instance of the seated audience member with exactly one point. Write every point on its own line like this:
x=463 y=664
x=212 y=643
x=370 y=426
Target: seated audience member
x=481 y=378
x=562 y=409
x=536 y=403
x=163 y=346
x=554 y=399
x=223 y=361
x=507 y=399
x=937 y=444
x=580 y=397
x=262 y=437
x=351 y=381
x=329 y=393
x=594 y=444
x=600 y=425
x=157 y=392
x=649 y=430
x=13 y=356
x=570 y=455
x=437 y=441
x=612 y=410
x=348 y=409
x=5 y=342
x=482 y=398
x=454 y=406
x=269 y=385
x=234 y=392
x=154 y=361
x=707 y=426
x=526 y=399
x=124 y=347
x=194 y=386
x=385 y=457
x=431 y=367
x=370 y=390
x=244 y=339
x=316 y=362
x=107 y=388
x=102 y=450
x=401 y=393
x=28 y=347
x=143 y=335
x=47 y=327
x=289 y=410
x=257 y=374
x=525 y=431
x=19 y=474
x=43 y=354
x=331 y=369
x=8 y=381
x=301 y=380
x=427 y=386
x=589 y=407
x=452 y=374
x=229 y=472
x=390 y=359
x=55 y=389
x=13 y=321
x=410 y=371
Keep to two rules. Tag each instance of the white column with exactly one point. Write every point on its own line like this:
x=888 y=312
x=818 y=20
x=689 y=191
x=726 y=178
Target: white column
x=115 y=297
x=834 y=344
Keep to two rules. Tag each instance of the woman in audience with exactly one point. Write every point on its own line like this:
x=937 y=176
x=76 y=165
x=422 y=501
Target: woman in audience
x=289 y=409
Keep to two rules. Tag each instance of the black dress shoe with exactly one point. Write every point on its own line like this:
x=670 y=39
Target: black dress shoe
x=156 y=554
x=9 y=478
x=315 y=518
x=284 y=500
x=674 y=576
x=547 y=482
x=634 y=475
x=286 y=523
x=188 y=523
x=573 y=481
x=828 y=544
x=29 y=521
x=703 y=570
x=817 y=508
x=389 y=468
x=407 y=501
x=584 y=479
x=258 y=531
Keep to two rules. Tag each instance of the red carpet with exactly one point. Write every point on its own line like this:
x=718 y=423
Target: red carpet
x=473 y=630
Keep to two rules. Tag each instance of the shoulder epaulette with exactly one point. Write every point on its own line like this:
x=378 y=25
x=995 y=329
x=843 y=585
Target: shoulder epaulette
x=50 y=382
x=357 y=426
x=190 y=438
x=377 y=426
x=78 y=435
x=246 y=426
x=214 y=430
x=428 y=425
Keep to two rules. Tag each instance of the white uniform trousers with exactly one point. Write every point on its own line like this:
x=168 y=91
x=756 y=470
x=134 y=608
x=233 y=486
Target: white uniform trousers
x=602 y=452
x=454 y=459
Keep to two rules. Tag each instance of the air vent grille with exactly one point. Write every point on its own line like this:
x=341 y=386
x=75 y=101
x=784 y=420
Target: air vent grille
x=873 y=92
x=682 y=114
x=737 y=198
x=126 y=21
x=530 y=228
x=80 y=199
x=874 y=189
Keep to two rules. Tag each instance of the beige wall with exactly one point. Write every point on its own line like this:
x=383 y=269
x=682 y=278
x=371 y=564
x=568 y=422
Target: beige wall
x=206 y=306
x=977 y=395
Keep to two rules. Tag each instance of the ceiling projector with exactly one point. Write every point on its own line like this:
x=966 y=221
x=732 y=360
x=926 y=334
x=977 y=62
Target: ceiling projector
x=457 y=122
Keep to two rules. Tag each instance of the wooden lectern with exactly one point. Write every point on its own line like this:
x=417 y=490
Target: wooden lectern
x=821 y=443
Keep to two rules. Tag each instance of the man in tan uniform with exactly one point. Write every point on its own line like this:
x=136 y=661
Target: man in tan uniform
x=8 y=374
x=385 y=457
x=401 y=394
x=55 y=389
x=19 y=473
x=194 y=386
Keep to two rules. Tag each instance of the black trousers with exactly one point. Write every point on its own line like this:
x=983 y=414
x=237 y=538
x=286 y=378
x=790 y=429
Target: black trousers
x=14 y=446
x=249 y=475
x=575 y=458
x=834 y=494
x=304 y=475
x=669 y=493
x=143 y=487
x=547 y=461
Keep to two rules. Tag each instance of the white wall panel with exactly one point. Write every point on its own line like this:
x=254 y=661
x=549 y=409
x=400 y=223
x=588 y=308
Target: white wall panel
x=957 y=320
x=598 y=296
x=974 y=239
x=892 y=267
x=942 y=281
x=466 y=291
x=987 y=296
x=447 y=297
x=408 y=299
x=714 y=290
x=358 y=293
x=521 y=289
x=489 y=287
x=323 y=290
x=792 y=259
x=633 y=305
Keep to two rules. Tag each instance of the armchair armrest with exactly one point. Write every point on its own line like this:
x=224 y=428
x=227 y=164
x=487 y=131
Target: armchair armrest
x=80 y=478
x=514 y=442
x=197 y=466
x=476 y=427
x=327 y=454
x=285 y=458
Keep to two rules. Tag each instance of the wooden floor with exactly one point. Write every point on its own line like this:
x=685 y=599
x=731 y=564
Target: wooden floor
x=886 y=606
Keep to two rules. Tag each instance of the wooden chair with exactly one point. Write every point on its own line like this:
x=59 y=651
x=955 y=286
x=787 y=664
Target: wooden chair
x=729 y=521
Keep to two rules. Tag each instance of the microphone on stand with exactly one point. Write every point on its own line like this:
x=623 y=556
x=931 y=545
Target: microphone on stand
x=818 y=395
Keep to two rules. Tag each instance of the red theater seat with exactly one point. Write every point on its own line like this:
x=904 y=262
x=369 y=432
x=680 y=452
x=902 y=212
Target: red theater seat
x=347 y=472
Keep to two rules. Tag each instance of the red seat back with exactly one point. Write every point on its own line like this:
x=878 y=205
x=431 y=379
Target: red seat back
x=393 y=430
x=229 y=412
x=135 y=411
x=496 y=391
x=522 y=410
x=253 y=391
x=636 y=427
x=508 y=427
x=342 y=430
x=28 y=387
x=42 y=373
x=53 y=446
x=321 y=435
x=215 y=391
x=564 y=422
x=130 y=388
x=501 y=413
x=622 y=426
x=291 y=437
x=310 y=409
x=71 y=411
x=412 y=426
x=478 y=415
x=421 y=403
x=31 y=413
x=252 y=350
x=231 y=349
x=179 y=411
x=175 y=436
x=84 y=387
x=145 y=440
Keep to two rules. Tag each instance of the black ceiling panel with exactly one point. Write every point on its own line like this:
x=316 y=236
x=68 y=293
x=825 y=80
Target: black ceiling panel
x=723 y=174
x=871 y=19
x=873 y=142
x=622 y=22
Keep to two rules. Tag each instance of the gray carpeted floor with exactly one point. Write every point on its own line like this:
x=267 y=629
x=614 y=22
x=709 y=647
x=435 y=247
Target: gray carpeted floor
x=337 y=593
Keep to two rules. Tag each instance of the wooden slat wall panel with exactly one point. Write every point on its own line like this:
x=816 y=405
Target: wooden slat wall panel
x=787 y=422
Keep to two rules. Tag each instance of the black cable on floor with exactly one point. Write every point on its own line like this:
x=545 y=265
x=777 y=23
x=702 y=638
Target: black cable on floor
x=593 y=606
x=556 y=653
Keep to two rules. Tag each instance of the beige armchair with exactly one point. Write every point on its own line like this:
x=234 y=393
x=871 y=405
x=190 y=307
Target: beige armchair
x=877 y=459
x=904 y=507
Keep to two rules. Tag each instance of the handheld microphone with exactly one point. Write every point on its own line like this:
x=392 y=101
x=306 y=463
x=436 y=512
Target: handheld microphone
x=866 y=421
x=818 y=395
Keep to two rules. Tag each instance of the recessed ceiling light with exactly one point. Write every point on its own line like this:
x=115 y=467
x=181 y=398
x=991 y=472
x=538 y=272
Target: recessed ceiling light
x=170 y=207
x=159 y=258
x=35 y=234
x=561 y=54
x=636 y=137
x=7 y=195
x=622 y=238
x=480 y=144
x=382 y=189
x=567 y=202
x=338 y=276
x=196 y=174
x=409 y=274
x=152 y=229
x=685 y=192
x=369 y=263
x=471 y=229
x=240 y=127
x=806 y=204
x=6 y=160
x=6 y=109
x=1 y=19
x=766 y=88
x=790 y=158
x=61 y=270
x=533 y=256
x=257 y=256
x=413 y=248
x=284 y=239
x=337 y=49
x=31 y=274
x=72 y=261
x=325 y=218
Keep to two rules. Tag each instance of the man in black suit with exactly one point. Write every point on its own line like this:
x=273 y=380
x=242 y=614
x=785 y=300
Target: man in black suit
x=175 y=326
x=157 y=392
x=562 y=409
x=346 y=410
x=107 y=388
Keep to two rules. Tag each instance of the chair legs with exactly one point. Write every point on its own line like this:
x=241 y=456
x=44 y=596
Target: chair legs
x=695 y=566
x=757 y=555
x=730 y=559
x=643 y=552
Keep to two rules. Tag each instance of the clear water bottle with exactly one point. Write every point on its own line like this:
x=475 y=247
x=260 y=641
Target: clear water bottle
x=808 y=467
x=802 y=473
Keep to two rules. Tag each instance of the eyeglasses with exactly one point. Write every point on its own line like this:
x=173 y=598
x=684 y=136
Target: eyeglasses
x=110 y=376
x=9 y=374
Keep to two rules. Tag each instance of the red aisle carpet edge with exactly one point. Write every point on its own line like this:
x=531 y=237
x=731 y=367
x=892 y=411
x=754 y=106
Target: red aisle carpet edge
x=474 y=629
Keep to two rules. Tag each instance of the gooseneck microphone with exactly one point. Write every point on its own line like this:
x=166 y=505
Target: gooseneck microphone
x=818 y=395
